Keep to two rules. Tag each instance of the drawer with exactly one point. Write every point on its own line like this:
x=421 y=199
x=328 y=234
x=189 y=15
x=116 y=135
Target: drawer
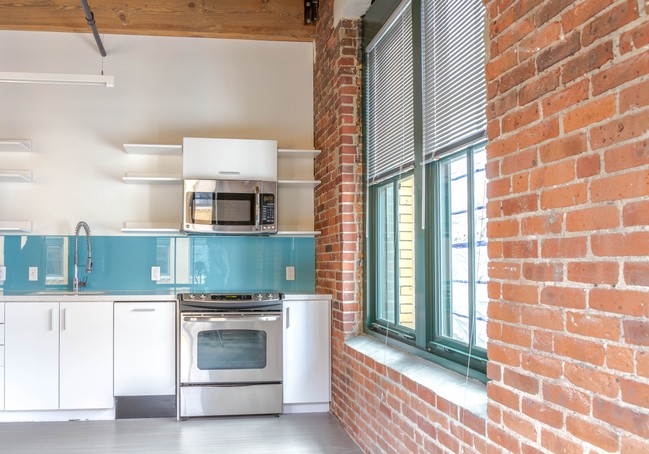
x=2 y=312
x=2 y=359
x=2 y=334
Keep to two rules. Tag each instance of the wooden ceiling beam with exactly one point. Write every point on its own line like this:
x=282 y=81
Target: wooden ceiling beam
x=281 y=20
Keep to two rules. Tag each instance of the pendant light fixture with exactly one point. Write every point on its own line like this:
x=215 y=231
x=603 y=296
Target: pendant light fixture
x=66 y=79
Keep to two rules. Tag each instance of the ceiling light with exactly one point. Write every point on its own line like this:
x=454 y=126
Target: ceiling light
x=60 y=79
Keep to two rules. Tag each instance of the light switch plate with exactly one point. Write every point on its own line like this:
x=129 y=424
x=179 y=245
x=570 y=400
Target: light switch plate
x=33 y=273
x=3 y=273
x=290 y=273
x=155 y=273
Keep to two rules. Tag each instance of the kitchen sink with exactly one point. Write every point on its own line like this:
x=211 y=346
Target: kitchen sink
x=68 y=293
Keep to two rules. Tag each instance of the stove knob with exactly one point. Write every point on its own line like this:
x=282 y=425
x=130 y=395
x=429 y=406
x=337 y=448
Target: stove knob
x=203 y=296
x=192 y=296
x=257 y=296
x=270 y=296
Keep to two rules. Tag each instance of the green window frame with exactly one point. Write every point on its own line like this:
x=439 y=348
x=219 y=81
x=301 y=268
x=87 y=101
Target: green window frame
x=426 y=225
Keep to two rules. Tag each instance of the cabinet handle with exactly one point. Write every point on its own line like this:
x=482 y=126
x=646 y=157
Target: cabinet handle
x=152 y=309
x=50 y=327
x=288 y=317
x=65 y=319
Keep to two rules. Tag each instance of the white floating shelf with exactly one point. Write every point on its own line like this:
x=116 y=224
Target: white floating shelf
x=152 y=178
x=300 y=183
x=298 y=233
x=16 y=145
x=15 y=226
x=153 y=149
x=286 y=153
x=151 y=227
x=18 y=176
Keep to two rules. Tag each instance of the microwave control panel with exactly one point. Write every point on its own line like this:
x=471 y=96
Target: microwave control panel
x=267 y=210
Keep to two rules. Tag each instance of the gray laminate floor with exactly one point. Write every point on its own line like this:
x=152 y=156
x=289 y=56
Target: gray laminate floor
x=291 y=434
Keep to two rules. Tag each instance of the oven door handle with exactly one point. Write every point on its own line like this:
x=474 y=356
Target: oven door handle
x=246 y=318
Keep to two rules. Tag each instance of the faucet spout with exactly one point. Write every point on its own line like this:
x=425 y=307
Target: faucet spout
x=75 y=282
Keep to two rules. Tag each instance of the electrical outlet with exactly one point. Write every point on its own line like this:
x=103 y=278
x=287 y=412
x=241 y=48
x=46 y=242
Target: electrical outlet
x=3 y=273
x=33 y=273
x=290 y=273
x=155 y=273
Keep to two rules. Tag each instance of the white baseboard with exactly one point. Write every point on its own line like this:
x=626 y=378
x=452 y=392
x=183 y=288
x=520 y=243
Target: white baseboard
x=307 y=408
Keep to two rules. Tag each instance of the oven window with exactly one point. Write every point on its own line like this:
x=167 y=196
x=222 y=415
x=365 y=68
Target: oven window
x=231 y=349
x=235 y=209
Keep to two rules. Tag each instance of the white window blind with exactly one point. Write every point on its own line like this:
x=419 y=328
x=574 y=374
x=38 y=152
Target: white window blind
x=390 y=111
x=454 y=93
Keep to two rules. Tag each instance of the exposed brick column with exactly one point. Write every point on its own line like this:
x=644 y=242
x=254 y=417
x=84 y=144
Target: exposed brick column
x=338 y=199
x=568 y=112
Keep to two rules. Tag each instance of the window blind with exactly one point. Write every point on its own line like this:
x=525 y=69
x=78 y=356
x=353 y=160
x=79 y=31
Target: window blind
x=454 y=93
x=389 y=105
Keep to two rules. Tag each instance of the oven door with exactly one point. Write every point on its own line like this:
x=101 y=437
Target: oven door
x=230 y=347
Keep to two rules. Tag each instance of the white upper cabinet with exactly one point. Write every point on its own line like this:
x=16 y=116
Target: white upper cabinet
x=229 y=159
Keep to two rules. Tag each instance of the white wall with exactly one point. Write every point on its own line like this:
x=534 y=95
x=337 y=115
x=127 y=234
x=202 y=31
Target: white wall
x=165 y=89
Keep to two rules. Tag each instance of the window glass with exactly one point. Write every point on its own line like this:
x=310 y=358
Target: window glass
x=455 y=277
x=406 y=251
x=385 y=277
x=480 y=229
x=396 y=252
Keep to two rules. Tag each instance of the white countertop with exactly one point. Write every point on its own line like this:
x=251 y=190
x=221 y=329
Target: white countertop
x=128 y=295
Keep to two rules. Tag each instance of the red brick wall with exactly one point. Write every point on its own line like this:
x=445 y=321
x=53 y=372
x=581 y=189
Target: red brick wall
x=338 y=199
x=568 y=168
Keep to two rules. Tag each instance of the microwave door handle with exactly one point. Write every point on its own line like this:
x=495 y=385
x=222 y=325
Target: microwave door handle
x=257 y=208
x=191 y=207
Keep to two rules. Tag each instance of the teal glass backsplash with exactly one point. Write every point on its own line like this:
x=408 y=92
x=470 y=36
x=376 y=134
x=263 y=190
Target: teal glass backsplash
x=195 y=263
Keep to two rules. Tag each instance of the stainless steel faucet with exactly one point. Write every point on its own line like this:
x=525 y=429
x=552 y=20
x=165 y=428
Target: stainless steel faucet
x=75 y=283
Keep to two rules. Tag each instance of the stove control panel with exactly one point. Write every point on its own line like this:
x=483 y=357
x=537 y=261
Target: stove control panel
x=230 y=297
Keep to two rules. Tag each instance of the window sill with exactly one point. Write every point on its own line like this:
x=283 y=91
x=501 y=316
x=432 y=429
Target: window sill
x=470 y=394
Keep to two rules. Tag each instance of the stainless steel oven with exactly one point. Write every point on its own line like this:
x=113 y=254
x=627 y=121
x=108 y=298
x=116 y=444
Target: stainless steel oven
x=230 y=354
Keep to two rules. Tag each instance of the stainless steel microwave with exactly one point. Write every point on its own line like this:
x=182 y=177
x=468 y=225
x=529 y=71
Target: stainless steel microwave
x=235 y=207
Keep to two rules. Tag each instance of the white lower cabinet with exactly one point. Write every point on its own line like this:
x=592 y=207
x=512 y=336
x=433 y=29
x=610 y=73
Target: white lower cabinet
x=307 y=357
x=31 y=356
x=86 y=356
x=145 y=348
x=58 y=355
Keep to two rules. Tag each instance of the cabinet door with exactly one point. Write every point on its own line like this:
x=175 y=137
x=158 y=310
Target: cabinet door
x=306 y=352
x=31 y=356
x=86 y=355
x=205 y=158
x=145 y=349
